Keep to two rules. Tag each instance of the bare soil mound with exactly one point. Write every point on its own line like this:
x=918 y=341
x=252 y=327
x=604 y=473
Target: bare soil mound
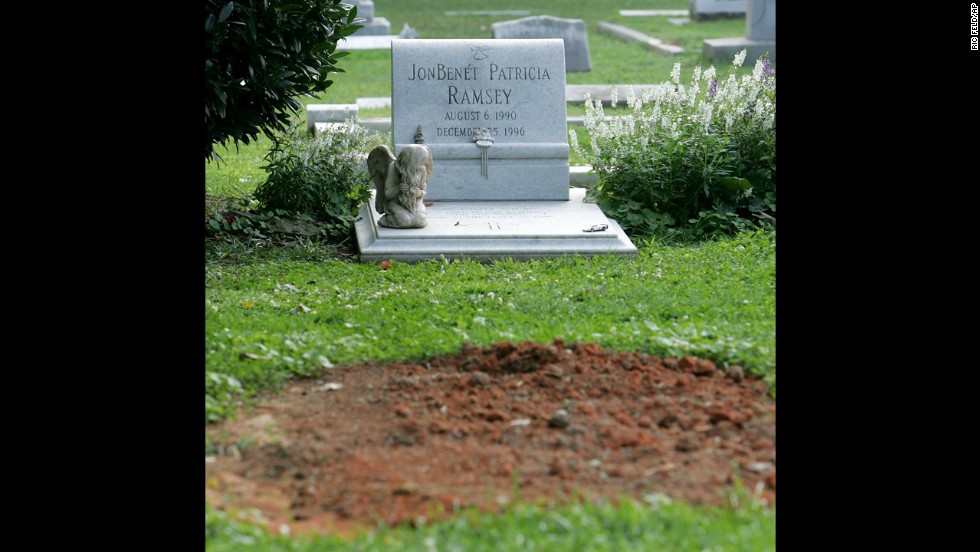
x=369 y=443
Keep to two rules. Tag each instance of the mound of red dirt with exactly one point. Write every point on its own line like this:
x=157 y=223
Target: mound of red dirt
x=369 y=443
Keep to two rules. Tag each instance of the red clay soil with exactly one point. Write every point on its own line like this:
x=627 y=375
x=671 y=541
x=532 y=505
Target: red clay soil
x=369 y=443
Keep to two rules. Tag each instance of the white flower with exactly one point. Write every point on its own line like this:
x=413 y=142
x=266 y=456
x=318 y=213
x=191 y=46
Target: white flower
x=757 y=70
x=613 y=97
x=709 y=75
x=675 y=73
x=739 y=58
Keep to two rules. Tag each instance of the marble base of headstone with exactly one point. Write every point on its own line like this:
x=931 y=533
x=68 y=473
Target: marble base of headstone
x=484 y=231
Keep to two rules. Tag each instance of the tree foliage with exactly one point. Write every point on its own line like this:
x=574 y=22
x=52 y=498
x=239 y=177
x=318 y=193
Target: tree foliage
x=260 y=56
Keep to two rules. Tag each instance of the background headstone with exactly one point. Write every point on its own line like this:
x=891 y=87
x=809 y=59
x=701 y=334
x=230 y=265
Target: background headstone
x=760 y=20
x=372 y=25
x=571 y=31
x=759 y=39
x=704 y=10
x=318 y=115
x=513 y=89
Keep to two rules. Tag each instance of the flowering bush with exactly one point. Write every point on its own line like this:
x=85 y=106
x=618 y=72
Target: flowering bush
x=320 y=174
x=703 y=158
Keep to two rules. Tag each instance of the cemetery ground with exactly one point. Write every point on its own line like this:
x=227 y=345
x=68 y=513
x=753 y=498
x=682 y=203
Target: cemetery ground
x=414 y=442
x=398 y=397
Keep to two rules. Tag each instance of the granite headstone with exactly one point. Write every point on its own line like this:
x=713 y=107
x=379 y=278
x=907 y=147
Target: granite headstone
x=760 y=20
x=492 y=113
x=759 y=39
x=513 y=91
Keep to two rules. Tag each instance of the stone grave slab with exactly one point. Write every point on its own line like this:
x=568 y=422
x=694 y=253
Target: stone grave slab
x=625 y=33
x=571 y=31
x=653 y=13
x=329 y=113
x=512 y=89
x=488 y=230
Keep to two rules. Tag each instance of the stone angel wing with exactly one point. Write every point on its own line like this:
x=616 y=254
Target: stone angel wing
x=378 y=161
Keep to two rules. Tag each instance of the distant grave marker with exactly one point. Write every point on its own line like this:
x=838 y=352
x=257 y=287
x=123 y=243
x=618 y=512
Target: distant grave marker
x=704 y=10
x=372 y=25
x=759 y=39
x=571 y=31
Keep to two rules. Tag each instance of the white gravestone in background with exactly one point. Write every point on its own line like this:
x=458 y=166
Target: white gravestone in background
x=760 y=20
x=571 y=31
x=759 y=39
x=372 y=26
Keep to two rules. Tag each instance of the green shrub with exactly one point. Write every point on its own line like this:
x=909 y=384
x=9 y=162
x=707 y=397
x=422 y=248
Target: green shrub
x=259 y=56
x=702 y=158
x=320 y=174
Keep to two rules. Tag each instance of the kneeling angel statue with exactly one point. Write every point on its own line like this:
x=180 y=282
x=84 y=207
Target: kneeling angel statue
x=401 y=184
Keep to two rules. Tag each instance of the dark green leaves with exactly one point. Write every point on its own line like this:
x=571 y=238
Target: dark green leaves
x=280 y=49
x=226 y=11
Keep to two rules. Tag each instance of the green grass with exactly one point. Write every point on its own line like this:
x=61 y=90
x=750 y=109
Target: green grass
x=269 y=319
x=276 y=313
x=239 y=170
x=626 y=526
